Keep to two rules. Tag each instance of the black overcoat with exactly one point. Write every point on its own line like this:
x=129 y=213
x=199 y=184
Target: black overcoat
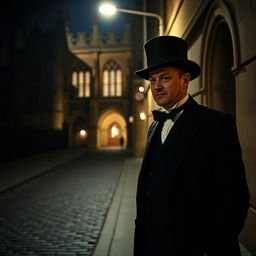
x=193 y=196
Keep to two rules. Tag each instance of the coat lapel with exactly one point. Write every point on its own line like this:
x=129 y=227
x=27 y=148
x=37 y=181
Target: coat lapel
x=151 y=133
x=177 y=143
x=178 y=140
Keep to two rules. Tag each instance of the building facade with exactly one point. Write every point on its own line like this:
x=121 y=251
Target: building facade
x=33 y=69
x=100 y=98
x=220 y=36
x=65 y=90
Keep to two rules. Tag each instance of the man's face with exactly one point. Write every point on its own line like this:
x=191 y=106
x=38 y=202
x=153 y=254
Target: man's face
x=168 y=85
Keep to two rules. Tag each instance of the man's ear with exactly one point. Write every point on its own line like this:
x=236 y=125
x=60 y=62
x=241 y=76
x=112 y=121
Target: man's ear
x=185 y=79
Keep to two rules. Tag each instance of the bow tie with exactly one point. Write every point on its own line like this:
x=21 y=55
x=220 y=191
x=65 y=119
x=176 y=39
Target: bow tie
x=161 y=116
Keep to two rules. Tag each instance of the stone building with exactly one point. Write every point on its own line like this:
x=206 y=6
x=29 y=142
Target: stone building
x=34 y=65
x=220 y=36
x=65 y=90
x=100 y=102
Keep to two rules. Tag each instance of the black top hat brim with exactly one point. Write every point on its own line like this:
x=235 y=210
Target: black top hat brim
x=186 y=65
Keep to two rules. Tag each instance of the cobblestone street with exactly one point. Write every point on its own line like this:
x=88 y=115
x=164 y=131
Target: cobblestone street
x=63 y=211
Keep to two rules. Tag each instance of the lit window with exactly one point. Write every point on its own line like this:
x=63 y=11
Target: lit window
x=112 y=83
x=74 y=79
x=87 y=84
x=118 y=83
x=105 y=83
x=81 y=85
x=82 y=81
x=112 y=80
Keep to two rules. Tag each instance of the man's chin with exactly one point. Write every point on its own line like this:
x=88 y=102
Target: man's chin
x=160 y=104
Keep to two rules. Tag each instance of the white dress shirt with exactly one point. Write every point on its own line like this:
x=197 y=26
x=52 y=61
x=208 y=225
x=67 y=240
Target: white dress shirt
x=169 y=123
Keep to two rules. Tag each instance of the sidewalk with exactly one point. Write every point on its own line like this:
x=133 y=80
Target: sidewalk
x=21 y=170
x=117 y=235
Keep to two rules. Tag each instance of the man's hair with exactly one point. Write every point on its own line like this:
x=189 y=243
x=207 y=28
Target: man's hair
x=181 y=72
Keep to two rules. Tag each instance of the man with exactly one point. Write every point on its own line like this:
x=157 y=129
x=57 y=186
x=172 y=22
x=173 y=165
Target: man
x=192 y=195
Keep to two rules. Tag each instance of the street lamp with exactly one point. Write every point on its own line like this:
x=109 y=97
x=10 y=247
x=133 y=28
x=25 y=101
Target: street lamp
x=109 y=9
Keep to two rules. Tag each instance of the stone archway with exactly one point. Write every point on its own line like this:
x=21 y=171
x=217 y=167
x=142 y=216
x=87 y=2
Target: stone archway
x=222 y=81
x=111 y=126
x=220 y=55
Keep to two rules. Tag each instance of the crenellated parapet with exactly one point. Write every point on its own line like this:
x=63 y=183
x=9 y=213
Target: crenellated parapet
x=97 y=40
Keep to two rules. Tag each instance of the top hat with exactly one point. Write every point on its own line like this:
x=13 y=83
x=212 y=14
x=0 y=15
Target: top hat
x=168 y=51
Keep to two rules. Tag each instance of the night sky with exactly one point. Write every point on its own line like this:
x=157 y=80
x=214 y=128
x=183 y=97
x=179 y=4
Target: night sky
x=81 y=14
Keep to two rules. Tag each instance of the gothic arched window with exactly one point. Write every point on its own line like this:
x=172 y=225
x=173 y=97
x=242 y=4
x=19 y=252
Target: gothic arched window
x=112 y=80
x=82 y=82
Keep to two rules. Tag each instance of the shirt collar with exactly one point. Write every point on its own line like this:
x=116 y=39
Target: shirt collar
x=179 y=103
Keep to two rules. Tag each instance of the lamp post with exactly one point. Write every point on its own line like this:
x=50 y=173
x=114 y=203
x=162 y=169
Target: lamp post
x=110 y=9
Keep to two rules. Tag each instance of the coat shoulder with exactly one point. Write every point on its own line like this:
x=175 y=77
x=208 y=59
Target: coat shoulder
x=213 y=115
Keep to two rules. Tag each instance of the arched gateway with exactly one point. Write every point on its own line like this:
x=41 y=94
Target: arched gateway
x=111 y=126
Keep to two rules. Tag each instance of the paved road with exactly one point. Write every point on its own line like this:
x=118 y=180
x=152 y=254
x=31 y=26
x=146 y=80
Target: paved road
x=62 y=212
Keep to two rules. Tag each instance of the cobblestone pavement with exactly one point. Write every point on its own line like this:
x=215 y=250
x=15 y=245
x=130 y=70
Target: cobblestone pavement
x=62 y=212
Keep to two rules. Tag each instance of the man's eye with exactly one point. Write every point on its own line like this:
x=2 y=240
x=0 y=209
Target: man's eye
x=152 y=81
x=165 y=78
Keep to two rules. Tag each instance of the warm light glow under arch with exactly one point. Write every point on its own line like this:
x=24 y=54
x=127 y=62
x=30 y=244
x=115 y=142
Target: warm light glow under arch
x=106 y=119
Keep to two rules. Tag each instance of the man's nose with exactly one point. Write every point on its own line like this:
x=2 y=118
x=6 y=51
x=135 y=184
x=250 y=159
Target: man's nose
x=157 y=84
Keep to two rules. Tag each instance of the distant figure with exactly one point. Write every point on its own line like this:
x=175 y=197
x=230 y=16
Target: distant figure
x=192 y=196
x=121 y=140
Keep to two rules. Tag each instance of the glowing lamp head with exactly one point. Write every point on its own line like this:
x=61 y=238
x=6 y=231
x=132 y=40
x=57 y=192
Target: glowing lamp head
x=142 y=116
x=83 y=133
x=107 y=9
x=141 y=89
